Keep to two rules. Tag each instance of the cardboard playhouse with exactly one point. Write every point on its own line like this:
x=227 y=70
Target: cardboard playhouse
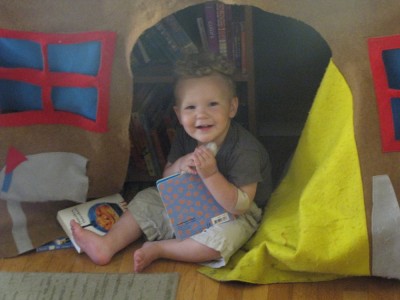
x=334 y=214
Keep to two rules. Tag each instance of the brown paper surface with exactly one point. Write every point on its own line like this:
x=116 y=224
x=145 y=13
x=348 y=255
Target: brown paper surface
x=345 y=25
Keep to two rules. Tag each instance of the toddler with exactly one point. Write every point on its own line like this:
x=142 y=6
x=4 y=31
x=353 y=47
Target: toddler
x=239 y=176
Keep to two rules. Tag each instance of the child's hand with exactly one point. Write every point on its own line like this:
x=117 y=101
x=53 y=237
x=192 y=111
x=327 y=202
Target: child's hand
x=187 y=165
x=205 y=162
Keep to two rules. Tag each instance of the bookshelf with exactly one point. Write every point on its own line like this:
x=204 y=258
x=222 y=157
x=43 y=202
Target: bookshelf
x=157 y=49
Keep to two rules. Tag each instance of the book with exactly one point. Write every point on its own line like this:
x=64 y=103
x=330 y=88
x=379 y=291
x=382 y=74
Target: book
x=142 y=50
x=189 y=205
x=150 y=145
x=166 y=36
x=152 y=46
x=157 y=41
x=179 y=34
x=202 y=32
x=229 y=31
x=57 y=244
x=139 y=147
x=221 y=29
x=210 y=20
x=96 y=215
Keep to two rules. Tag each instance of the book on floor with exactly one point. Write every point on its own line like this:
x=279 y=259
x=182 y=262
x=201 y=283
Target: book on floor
x=190 y=206
x=57 y=244
x=96 y=215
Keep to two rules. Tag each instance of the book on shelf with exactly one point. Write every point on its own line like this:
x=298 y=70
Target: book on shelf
x=239 y=39
x=150 y=145
x=224 y=26
x=97 y=215
x=180 y=36
x=169 y=41
x=160 y=49
x=210 y=20
x=229 y=30
x=189 y=205
x=140 y=149
x=143 y=52
x=202 y=32
x=221 y=29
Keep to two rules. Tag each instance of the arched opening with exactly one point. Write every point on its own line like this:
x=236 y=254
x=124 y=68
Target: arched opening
x=289 y=59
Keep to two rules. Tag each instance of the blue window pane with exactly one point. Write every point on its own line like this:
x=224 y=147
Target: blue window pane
x=81 y=101
x=83 y=58
x=18 y=96
x=395 y=102
x=391 y=60
x=16 y=53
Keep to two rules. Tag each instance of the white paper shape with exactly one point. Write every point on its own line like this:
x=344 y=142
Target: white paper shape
x=385 y=229
x=48 y=176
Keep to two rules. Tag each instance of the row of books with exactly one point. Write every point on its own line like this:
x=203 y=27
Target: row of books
x=224 y=32
x=152 y=129
x=164 y=43
x=220 y=28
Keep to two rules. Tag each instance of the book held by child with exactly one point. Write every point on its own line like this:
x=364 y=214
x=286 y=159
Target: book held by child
x=190 y=206
x=95 y=215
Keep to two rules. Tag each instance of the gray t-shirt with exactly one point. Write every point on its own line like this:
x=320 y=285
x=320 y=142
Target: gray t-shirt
x=242 y=159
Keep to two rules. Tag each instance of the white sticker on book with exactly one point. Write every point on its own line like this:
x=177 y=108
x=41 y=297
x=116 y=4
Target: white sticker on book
x=220 y=219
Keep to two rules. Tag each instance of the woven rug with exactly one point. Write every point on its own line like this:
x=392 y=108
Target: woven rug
x=31 y=285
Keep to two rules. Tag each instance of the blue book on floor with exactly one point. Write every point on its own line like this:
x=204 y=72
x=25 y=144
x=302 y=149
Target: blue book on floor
x=190 y=206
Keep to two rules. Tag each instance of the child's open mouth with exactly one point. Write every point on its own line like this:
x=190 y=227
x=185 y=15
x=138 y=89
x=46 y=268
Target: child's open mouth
x=203 y=126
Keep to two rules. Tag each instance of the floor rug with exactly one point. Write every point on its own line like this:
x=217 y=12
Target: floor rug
x=31 y=285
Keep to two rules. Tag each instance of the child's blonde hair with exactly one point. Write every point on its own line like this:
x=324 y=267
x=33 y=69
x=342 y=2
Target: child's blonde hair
x=205 y=64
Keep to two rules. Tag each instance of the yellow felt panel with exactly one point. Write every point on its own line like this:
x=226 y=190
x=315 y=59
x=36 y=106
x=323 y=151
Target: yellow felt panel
x=314 y=227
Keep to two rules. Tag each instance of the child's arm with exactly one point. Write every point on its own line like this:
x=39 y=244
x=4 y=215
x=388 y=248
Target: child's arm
x=228 y=195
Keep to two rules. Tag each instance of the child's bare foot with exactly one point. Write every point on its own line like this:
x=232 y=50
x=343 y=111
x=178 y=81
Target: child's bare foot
x=144 y=256
x=91 y=243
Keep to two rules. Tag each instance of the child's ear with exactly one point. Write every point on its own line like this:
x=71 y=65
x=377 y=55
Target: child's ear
x=233 y=107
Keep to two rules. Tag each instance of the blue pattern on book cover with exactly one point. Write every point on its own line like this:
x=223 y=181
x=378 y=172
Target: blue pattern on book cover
x=189 y=205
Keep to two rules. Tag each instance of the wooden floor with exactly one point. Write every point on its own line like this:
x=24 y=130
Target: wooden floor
x=194 y=285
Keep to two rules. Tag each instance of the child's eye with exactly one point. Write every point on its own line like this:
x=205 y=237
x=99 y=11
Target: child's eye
x=190 y=107
x=214 y=103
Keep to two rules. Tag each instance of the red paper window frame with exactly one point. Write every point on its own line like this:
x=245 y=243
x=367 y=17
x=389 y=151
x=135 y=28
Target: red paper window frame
x=383 y=92
x=46 y=79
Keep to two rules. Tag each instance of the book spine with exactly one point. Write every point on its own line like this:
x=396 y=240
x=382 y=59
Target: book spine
x=141 y=143
x=243 y=48
x=136 y=145
x=151 y=44
x=160 y=44
x=202 y=32
x=210 y=17
x=221 y=25
x=150 y=146
x=229 y=31
x=171 y=44
x=143 y=52
x=237 y=45
x=180 y=36
x=237 y=18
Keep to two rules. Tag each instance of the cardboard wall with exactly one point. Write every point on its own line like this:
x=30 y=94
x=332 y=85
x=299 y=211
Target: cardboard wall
x=345 y=25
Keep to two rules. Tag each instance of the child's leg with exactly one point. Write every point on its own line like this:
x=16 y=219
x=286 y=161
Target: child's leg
x=101 y=249
x=187 y=251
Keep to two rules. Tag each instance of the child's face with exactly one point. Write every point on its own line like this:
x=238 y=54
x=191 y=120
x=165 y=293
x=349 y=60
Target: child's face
x=205 y=108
